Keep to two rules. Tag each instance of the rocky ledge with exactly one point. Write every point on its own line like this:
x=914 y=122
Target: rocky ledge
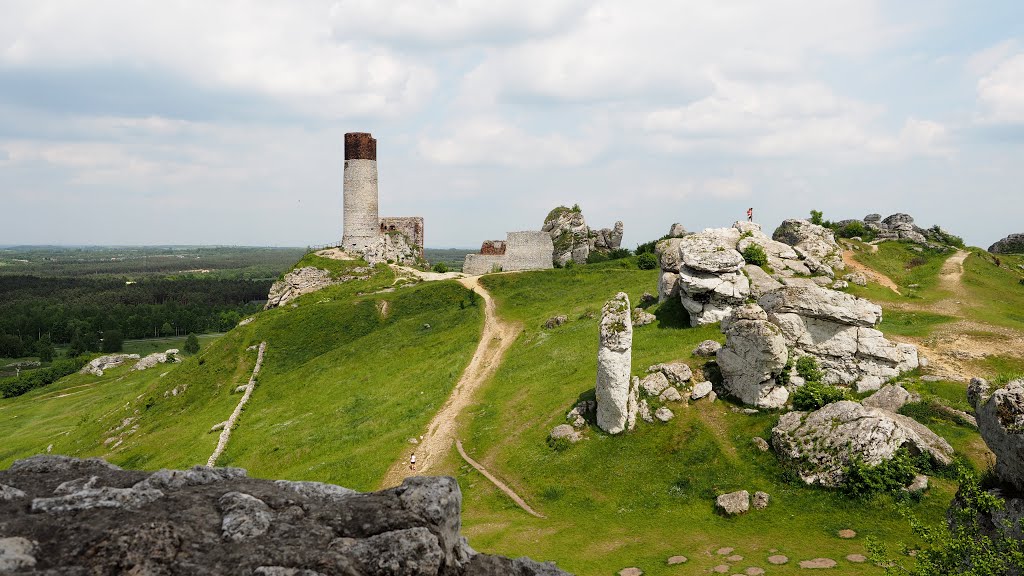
x=61 y=515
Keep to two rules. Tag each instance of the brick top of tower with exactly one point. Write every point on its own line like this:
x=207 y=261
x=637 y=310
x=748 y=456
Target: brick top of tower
x=360 y=146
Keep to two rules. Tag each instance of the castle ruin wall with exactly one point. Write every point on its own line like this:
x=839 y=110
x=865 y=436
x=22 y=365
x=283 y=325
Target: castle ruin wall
x=528 y=251
x=477 y=264
x=409 y=226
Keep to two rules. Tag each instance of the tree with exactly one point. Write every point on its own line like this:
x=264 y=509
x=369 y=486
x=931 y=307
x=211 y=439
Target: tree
x=44 y=348
x=167 y=329
x=113 y=341
x=816 y=217
x=191 y=344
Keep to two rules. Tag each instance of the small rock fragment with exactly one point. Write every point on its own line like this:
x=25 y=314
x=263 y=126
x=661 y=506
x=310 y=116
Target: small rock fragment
x=664 y=414
x=818 y=563
x=733 y=503
x=761 y=500
x=700 y=390
x=673 y=560
x=16 y=553
x=760 y=443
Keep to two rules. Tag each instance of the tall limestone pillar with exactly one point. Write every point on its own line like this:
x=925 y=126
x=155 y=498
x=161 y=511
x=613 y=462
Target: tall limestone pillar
x=616 y=402
x=361 y=219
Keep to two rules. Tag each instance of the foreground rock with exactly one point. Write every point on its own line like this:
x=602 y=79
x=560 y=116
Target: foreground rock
x=206 y=521
x=306 y=280
x=616 y=394
x=1012 y=244
x=1000 y=415
x=820 y=444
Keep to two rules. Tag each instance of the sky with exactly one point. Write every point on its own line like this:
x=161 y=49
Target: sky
x=196 y=122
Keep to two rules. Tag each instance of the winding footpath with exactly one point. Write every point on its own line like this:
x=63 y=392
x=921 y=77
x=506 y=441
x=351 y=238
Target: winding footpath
x=495 y=340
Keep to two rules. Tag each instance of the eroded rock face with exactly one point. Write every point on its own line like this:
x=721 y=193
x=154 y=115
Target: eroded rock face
x=305 y=280
x=614 y=364
x=815 y=243
x=837 y=329
x=1012 y=244
x=753 y=356
x=211 y=521
x=822 y=443
x=574 y=240
x=1000 y=415
x=709 y=275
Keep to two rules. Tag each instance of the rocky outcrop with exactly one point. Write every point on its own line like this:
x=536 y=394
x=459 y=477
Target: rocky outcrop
x=97 y=366
x=891 y=397
x=616 y=402
x=815 y=244
x=754 y=355
x=1012 y=244
x=1000 y=415
x=308 y=279
x=157 y=358
x=205 y=522
x=708 y=273
x=838 y=330
x=574 y=240
x=900 y=226
x=820 y=444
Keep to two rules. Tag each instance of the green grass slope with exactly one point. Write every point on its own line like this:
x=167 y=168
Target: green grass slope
x=345 y=383
x=636 y=499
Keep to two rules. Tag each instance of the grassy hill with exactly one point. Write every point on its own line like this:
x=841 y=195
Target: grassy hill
x=348 y=380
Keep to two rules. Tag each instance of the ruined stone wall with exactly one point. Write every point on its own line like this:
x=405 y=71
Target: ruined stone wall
x=410 y=226
x=360 y=219
x=528 y=251
x=477 y=264
x=493 y=247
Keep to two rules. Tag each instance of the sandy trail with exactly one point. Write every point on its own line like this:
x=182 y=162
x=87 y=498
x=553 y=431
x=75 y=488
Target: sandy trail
x=872 y=274
x=501 y=485
x=496 y=338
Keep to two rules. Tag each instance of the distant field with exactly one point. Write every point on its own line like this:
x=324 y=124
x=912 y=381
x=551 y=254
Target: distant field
x=224 y=261
x=452 y=257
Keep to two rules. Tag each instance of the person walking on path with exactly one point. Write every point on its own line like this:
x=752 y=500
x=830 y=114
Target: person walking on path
x=412 y=462
x=750 y=214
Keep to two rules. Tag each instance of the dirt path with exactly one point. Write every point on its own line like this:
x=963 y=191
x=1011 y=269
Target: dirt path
x=496 y=338
x=501 y=485
x=872 y=274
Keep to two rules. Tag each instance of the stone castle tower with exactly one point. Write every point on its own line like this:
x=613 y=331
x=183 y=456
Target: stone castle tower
x=361 y=220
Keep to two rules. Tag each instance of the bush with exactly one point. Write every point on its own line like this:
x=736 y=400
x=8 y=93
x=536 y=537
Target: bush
x=856 y=229
x=647 y=261
x=191 y=344
x=816 y=217
x=862 y=480
x=440 y=268
x=807 y=368
x=594 y=257
x=648 y=247
x=11 y=387
x=755 y=254
x=814 y=395
x=619 y=253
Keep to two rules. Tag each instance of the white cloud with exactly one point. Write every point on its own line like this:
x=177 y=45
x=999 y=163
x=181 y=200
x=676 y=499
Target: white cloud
x=448 y=23
x=493 y=141
x=281 y=49
x=1001 y=91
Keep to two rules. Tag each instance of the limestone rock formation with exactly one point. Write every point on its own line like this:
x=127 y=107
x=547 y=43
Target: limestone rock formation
x=1000 y=415
x=574 y=240
x=1012 y=244
x=210 y=523
x=816 y=244
x=677 y=231
x=901 y=226
x=96 y=366
x=838 y=330
x=614 y=364
x=753 y=356
x=305 y=280
x=822 y=443
x=157 y=358
x=709 y=275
